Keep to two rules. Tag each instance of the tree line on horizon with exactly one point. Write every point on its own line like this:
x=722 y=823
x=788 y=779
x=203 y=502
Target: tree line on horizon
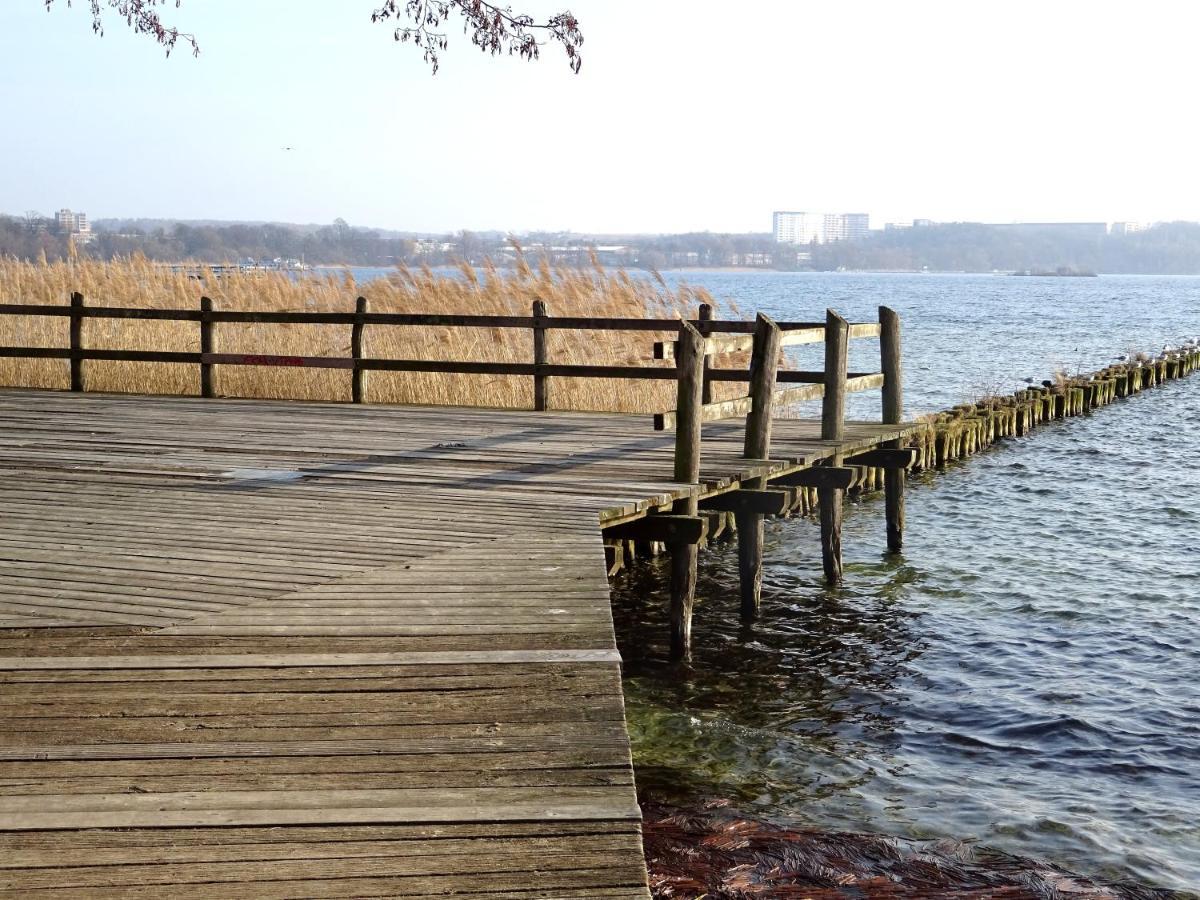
x=1165 y=249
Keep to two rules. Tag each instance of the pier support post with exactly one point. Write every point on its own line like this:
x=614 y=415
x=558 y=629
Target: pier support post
x=833 y=419
x=689 y=407
x=539 y=355
x=893 y=413
x=206 y=346
x=76 y=338
x=356 y=350
x=706 y=314
x=764 y=364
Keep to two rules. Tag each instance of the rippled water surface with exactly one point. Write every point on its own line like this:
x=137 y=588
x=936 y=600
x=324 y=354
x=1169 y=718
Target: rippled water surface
x=1028 y=672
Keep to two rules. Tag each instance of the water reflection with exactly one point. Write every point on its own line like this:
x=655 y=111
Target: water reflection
x=818 y=678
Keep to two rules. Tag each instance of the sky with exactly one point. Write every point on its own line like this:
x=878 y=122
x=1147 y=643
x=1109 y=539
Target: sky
x=688 y=115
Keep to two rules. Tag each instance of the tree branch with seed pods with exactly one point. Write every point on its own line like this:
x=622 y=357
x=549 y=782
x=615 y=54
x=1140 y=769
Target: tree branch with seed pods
x=493 y=29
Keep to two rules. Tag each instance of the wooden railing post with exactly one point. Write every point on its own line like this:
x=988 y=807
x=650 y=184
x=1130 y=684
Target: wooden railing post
x=206 y=346
x=764 y=364
x=539 y=355
x=76 y=341
x=893 y=414
x=833 y=428
x=833 y=406
x=706 y=314
x=689 y=408
x=356 y=350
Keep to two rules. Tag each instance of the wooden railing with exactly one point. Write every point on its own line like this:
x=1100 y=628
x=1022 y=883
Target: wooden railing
x=707 y=338
x=699 y=342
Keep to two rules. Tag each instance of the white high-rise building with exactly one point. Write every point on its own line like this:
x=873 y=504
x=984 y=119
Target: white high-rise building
x=807 y=227
x=69 y=222
x=799 y=227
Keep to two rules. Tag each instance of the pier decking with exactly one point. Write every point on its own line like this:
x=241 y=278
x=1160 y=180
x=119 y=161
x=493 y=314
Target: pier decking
x=280 y=649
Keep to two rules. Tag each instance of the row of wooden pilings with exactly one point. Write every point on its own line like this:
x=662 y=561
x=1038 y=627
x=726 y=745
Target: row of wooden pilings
x=951 y=435
x=970 y=427
x=741 y=512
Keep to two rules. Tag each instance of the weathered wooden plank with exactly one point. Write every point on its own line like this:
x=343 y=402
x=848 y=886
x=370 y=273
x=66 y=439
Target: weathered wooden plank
x=339 y=593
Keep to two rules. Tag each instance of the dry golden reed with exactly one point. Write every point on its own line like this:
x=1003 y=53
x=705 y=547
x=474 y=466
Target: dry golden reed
x=136 y=282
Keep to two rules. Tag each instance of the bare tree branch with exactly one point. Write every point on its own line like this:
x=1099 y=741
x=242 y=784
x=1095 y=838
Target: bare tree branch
x=143 y=17
x=493 y=29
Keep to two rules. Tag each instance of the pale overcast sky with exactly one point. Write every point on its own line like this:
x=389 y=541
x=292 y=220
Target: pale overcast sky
x=688 y=115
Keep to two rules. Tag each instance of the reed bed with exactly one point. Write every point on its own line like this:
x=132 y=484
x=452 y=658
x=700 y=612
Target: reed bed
x=136 y=282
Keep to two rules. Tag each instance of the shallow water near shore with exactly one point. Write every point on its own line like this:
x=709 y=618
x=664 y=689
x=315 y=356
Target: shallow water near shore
x=1025 y=674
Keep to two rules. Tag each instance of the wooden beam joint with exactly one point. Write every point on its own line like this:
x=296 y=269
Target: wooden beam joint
x=834 y=477
x=885 y=458
x=668 y=529
x=764 y=502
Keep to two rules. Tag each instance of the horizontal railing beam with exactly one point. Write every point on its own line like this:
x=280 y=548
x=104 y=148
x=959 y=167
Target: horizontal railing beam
x=793 y=337
x=576 y=323
x=785 y=376
x=740 y=406
x=332 y=362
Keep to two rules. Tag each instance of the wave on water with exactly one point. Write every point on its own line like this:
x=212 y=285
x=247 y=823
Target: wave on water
x=1023 y=677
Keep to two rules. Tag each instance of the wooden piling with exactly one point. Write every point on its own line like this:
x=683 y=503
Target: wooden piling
x=539 y=355
x=833 y=418
x=356 y=350
x=893 y=413
x=764 y=364
x=206 y=346
x=706 y=314
x=689 y=403
x=76 y=337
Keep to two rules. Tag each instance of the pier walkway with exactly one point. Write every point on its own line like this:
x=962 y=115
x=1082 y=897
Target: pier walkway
x=285 y=649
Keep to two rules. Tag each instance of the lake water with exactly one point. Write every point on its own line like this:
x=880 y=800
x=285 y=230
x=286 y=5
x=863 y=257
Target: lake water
x=1027 y=673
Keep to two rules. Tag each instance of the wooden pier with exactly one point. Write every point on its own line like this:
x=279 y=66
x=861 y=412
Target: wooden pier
x=293 y=649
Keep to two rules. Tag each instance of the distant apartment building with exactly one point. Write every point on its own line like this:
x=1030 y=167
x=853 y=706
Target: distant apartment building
x=75 y=225
x=798 y=227
x=809 y=227
x=1127 y=227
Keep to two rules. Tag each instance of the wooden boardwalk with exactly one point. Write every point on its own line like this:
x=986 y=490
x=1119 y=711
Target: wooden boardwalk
x=281 y=649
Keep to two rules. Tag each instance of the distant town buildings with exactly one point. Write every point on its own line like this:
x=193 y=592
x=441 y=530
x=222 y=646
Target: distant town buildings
x=74 y=224
x=808 y=227
x=1127 y=227
x=915 y=223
